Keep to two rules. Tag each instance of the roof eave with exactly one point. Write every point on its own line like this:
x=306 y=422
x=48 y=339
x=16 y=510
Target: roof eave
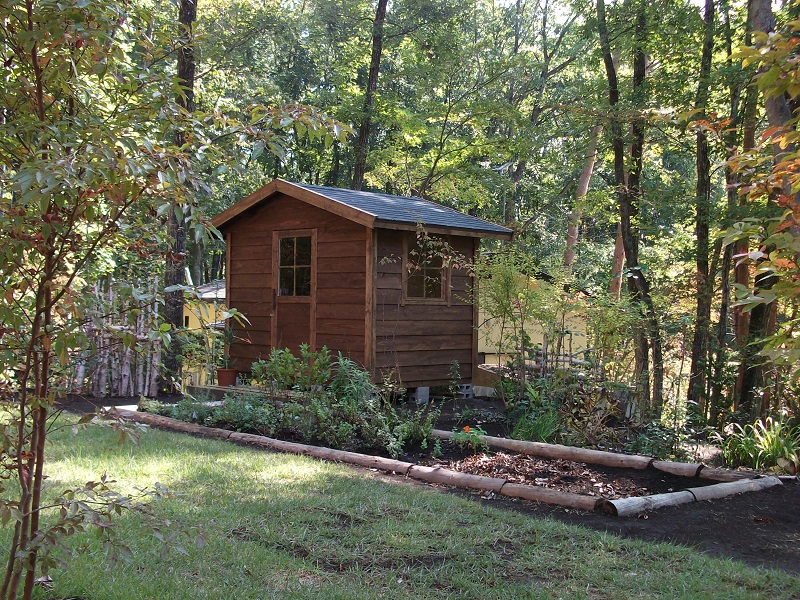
x=307 y=196
x=442 y=230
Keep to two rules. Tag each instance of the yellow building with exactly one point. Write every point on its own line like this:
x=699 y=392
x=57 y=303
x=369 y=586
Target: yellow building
x=551 y=319
x=202 y=312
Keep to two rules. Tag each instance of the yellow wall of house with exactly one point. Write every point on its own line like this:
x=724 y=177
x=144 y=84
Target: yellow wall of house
x=492 y=330
x=196 y=315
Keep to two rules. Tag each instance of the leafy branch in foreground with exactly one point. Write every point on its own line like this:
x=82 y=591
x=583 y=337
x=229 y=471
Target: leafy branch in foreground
x=88 y=166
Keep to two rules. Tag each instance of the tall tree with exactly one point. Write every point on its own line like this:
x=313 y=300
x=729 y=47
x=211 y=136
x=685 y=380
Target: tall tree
x=629 y=191
x=175 y=274
x=362 y=141
x=574 y=222
x=780 y=117
x=83 y=167
x=704 y=284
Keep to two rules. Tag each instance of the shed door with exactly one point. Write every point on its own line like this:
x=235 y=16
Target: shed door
x=294 y=288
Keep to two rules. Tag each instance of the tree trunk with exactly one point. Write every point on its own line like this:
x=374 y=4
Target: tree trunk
x=742 y=269
x=629 y=196
x=573 y=227
x=362 y=143
x=697 y=374
x=717 y=405
x=779 y=114
x=617 y=266
x=176 y=224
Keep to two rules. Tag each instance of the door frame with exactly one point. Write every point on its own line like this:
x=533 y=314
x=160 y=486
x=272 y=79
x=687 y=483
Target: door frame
x=277 y=299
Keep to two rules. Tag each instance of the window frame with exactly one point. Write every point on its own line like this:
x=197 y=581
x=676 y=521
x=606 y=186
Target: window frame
x=409 y=244
x=276 y=264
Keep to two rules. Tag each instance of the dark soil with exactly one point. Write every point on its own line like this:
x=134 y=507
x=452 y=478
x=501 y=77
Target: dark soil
x=758 y=528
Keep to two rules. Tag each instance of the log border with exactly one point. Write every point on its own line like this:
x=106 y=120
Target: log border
x=735 y=483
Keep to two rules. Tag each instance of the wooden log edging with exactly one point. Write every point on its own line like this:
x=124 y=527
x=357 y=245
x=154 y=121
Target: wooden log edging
x=606 y=459
x=626 y=507
x=677 y=468
x=621 y=507
x=595 y=457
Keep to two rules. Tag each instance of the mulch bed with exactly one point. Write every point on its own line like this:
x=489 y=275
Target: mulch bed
x=569 y=476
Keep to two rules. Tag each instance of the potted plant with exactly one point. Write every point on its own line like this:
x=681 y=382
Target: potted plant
x=226 y=373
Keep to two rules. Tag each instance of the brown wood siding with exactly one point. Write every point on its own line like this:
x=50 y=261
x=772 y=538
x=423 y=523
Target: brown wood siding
x=341 y=276
x=418 y=341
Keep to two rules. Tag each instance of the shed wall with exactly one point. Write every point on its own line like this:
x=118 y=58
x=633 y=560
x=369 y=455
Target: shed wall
x=339 y=321
x=418 y=341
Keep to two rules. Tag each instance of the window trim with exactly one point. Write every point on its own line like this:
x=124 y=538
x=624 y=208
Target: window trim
x=409 y=242
x=277 y=236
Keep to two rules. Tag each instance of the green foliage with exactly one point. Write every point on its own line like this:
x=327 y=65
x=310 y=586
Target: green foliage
x=315 y=371
x=248 y=412
x=283 y=371
x=346 y=411
x=276 y=373
x=653 y=439
x=612 y=324
x=538 y=426
x=469 y=438
x=766 y=444
x=188 y=409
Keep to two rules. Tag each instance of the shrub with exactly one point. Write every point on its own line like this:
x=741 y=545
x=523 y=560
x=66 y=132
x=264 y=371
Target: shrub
x=469 y=438
x=350 y=412
x=538 y=426
x=653 y=439
x=416 y=424
x=189 y=410
x=771 y=443
x=278 y=372
x=284 y=371
x=245 y=412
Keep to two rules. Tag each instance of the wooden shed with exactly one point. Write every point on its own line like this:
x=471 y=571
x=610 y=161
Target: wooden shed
x=342 y=269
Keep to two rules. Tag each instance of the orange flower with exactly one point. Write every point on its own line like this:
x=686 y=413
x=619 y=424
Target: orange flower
x=466 y=428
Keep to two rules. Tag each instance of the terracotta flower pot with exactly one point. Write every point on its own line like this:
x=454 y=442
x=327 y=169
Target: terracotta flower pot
x=226 y=377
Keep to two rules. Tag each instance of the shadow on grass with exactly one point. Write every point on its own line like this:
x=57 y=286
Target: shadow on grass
x=306 y=528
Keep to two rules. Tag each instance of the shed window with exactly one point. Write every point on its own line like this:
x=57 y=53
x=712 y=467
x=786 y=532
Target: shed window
x=294 y=266
x=425 y=271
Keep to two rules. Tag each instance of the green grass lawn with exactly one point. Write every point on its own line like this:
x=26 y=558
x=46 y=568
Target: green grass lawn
x=282 y=526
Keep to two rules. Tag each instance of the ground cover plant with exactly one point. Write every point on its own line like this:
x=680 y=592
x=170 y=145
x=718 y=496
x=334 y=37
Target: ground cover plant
x=282 y=526
x=315 y=399
x=771 y=443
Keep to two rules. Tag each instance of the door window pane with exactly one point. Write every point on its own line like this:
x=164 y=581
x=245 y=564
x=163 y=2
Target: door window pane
x=303 y=251
x=302 y=283
x=294 y=266
x=287 y=252
x=287 y=281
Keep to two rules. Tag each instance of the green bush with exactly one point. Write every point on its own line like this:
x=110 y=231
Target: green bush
x=653 y=439
x=535 y=417
x=284 y=371
x=189 y=410
x=346 y=410
x=542 y=425
x=468 y=438
x=416 y=424
x=771 y=443
x=278 y=372
x=246 y=412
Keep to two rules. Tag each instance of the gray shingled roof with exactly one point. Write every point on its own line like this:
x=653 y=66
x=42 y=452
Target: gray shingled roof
x=403 y=209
